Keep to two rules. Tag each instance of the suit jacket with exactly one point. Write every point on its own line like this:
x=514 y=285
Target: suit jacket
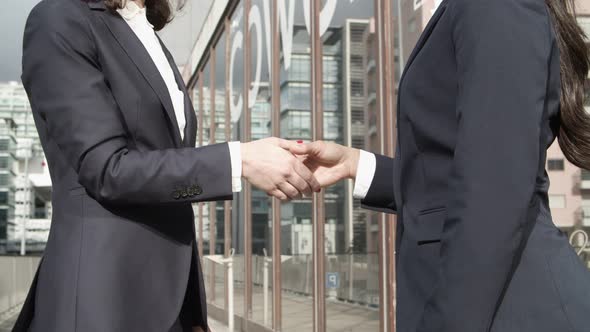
x=122 y=237
x=476 y=247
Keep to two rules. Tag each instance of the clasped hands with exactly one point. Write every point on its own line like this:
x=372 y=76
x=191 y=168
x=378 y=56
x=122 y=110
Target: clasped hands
x=289 y=170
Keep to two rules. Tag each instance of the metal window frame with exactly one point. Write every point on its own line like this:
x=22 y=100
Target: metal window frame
x=387 y=102
x=212 y=205
x=247 y=189
x=199 y=85
x=277 y=310
x=228 y=133
x=318 y=204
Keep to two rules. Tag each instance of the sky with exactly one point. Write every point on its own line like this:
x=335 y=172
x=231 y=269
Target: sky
x=12 y=24
x=179 y=36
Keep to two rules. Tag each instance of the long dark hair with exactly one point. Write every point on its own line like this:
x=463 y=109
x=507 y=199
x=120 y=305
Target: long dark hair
x=574 y=129
x=159 y=12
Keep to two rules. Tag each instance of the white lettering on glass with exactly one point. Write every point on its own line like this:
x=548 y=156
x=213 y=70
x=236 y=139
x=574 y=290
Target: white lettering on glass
x=235 y=109
x=286 y=11
x=255 y=21
x=287 y=23
x=326 y=15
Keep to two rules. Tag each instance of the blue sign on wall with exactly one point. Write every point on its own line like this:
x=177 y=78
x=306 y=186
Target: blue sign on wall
x=332 y=280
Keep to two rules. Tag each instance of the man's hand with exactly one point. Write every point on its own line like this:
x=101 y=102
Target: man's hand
x=328 y=161
x=267 y=164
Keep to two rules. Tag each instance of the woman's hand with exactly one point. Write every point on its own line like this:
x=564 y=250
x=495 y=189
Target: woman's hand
x=267 y=164
x=329 y=162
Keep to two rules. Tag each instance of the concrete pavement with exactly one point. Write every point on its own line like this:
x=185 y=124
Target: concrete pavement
x=8 y=319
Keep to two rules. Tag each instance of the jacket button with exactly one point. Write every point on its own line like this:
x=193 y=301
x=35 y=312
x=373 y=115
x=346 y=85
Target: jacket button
x=176 y=194
x=184 y=193
x=191 y=191
x=198 y=190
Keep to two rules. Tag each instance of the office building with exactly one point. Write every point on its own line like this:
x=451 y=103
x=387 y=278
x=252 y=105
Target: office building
x=8 y=229
x=30 y=178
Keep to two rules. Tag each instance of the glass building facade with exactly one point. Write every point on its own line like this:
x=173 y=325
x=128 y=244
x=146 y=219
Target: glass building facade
x=7 y=185
x=300 y=70
x=307 y=70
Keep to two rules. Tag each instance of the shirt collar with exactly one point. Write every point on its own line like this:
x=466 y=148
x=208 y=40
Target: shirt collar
x=132 y=11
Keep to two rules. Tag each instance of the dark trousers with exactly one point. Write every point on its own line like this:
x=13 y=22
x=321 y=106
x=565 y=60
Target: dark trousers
x=188 y=316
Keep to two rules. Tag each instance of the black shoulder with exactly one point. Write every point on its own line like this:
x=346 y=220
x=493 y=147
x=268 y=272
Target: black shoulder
x=528 y=16
x=59 y=14
x=481 y=6
x=54 y=26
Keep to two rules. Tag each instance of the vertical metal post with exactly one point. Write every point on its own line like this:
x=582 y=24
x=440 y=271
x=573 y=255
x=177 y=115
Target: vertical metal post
x=230 y=288
x=23 y=239
x=266 y=262
x=227 y=204
x=247 y=136
x=212 y=205
x=386 y=98
x=400 y=36
x=200 y=132
x=276 y=204
x=318 y=212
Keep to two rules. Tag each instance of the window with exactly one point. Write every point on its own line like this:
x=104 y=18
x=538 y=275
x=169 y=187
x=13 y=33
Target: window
x=5 y=180
x=4 y=144
x=412 y=26
x=556 y=201
x=357 y=88
x=555 y=164
x=4 y=162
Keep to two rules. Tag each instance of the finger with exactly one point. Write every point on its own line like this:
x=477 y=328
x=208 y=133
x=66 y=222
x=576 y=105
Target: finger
x=278 y=194
x=299 y=183
x=307 y=175
x=288 y=145
x=312 y=149
x=289 y=190
x=295 y=147
x=301 y=158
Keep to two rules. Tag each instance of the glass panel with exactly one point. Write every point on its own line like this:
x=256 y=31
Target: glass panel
x=295 y=124
x=236 y=73
x=205 y=207
x=219 y=207
x=205 y=125
x=352 y=287
x=260 y=114
x=195 y=94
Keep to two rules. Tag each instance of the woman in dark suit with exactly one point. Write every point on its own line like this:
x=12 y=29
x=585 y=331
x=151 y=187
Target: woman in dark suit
x=118 y=130
x=489 y=86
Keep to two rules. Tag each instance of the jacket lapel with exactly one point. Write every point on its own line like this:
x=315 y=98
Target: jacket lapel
x=424 y=36
x=190 y=130
x=141 y=58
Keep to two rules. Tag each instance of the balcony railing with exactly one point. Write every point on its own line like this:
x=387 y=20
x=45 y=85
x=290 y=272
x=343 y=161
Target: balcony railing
x=15 y=280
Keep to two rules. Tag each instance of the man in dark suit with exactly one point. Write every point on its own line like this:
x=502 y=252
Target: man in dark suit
x=107 y=102
x=478 y=105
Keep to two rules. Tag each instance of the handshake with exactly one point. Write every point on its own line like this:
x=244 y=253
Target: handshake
x=289 y=170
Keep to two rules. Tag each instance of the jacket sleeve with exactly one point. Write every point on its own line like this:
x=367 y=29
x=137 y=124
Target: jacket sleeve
x=502 y=50
x=70 y=95
x=380 y=196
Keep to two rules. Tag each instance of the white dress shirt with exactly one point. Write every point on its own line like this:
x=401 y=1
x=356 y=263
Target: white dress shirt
x=136 y=18
x=365 y=173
